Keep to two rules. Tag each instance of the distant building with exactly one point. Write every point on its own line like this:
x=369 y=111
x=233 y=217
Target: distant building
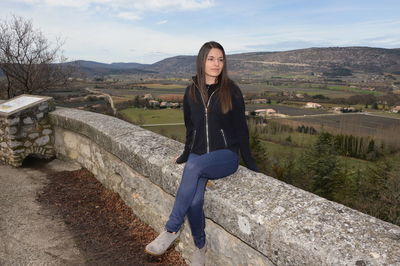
x=312 y=105
x=345 y=110
x=154 y=103
x=368 y=89
x=268 y=112
x=396 y=109
x=148 y=96
x=258 y=101
x=165 y=104
x=337 y=109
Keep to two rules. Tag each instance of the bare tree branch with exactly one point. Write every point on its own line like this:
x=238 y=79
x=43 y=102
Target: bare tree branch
x=28 y=59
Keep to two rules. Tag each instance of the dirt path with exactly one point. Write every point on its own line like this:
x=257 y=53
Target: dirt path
x=56 y=217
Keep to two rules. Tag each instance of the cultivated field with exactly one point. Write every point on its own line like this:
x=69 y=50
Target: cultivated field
x=287 y=110
x=381 y=128
x=152 y=116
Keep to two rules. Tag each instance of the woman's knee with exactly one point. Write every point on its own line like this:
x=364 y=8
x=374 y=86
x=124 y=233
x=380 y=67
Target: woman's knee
x=193 y=167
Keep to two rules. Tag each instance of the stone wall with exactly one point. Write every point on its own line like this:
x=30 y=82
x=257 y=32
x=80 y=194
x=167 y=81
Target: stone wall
x=252 y=219
x=26 y=131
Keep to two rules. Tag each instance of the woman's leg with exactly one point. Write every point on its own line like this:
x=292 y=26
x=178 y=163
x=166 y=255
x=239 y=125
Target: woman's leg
x=198 y=169
x=195 y=215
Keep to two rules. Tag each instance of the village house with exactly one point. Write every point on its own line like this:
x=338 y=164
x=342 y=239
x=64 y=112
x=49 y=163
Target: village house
x=154 y=103
x=396 y=109
x=337 y=109
x=258 y=101
x=268 y=112
x=165 y=104
x=345 y=109
x=169 y=105
x=148 y=96
x=312 y=105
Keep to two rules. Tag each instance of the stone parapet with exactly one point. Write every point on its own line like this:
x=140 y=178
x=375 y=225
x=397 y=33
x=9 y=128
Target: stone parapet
x=25 y=128
x=252 y=219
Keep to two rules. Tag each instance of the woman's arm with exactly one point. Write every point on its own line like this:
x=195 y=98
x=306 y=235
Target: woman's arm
x=189 y=128
x=241 y=129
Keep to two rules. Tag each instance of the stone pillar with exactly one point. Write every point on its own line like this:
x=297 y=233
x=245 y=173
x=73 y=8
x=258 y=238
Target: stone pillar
x=25 y=128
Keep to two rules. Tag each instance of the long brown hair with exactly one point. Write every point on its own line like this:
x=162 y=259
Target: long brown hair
x=224 y=92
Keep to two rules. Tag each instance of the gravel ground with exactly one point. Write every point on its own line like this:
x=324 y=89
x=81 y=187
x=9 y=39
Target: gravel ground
x=99 y=227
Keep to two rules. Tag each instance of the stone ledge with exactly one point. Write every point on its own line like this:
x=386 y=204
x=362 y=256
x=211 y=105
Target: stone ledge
x=287 y=225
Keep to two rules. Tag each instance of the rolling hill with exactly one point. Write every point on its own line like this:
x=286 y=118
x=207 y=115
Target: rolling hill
x=321 y=60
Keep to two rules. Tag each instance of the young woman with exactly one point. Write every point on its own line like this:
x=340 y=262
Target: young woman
x=216 y=131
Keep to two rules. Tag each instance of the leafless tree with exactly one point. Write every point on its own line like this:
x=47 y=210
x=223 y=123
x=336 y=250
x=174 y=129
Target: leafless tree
x=28 y=60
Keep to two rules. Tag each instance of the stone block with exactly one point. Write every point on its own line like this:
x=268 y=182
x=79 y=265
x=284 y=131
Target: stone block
x=14 y=144
x=28 y=121
x=13 y=121
x=33 y=135
x=11 y=130
x=27 y=143
x=42 y=140
x=43 y=106
x=47 y=131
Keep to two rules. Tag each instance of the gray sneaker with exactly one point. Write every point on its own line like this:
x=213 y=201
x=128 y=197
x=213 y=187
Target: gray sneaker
x=159 y=245
x=199 y=256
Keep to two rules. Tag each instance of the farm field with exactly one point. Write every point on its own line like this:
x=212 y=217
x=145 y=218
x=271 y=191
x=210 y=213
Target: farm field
x=287 y=110
x=176 y=132
x=382 y=128
x=162 y=86
x=152 y=116
x=130 y=93
x=332 y=91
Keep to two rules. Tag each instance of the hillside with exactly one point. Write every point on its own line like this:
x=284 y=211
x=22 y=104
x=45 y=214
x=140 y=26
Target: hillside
x=91 y=68
x=331 y=60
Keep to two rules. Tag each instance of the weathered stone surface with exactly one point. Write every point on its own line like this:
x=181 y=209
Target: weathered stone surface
x=39 y=115
x=13 y=121
x=27 y=143
x=47 y=131
x=282 y=224
x=14 y=144
x=42 y=140
x=28 y=121
x=43 y=106
x=11 y=130
x=33 y=135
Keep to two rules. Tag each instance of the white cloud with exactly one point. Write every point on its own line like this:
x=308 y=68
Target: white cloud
x=162 y=22
x=142 y=5
x=171 y=4
x=129 y=16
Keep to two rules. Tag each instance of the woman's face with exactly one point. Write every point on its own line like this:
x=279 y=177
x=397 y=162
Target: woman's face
x=214 y=65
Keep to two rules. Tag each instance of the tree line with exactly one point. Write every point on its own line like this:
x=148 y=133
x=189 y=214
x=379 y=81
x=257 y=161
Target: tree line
x=373 y=189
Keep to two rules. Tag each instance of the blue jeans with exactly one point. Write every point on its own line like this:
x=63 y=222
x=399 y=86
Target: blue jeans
x=190 y=195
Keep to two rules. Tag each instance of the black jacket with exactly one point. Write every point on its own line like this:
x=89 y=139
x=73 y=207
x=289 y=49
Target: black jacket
x=208 y=129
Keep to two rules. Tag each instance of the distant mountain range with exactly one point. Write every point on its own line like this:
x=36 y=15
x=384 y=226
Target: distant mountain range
x=321 y=60
x=341 y=60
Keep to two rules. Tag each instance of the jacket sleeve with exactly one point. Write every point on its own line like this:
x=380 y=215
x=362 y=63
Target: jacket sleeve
x=241 y=129
x=189 y=128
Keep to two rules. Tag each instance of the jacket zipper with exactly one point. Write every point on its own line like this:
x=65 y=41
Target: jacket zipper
x=206 y=113
x=194 y=137
x=223 y=136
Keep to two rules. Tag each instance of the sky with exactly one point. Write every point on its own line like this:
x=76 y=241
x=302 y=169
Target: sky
x=147 y=31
